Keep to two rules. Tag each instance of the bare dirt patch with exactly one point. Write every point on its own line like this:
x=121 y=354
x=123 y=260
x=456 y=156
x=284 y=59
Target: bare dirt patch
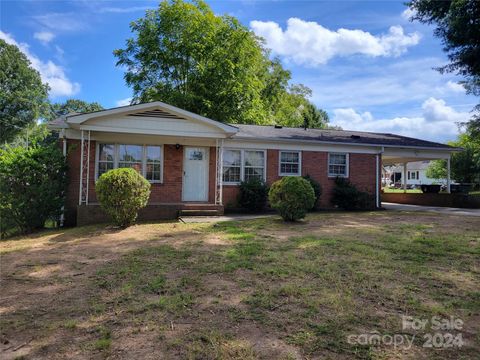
x=255 y=289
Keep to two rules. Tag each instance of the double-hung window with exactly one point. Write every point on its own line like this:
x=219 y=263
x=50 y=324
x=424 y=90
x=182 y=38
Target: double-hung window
x=290 y=163
x=243 y=165
x=106 y=158
x=232 y=166
x=254 y=164
x=338 y=164
x=413 y=175
x=131 y=156
x=146 y=159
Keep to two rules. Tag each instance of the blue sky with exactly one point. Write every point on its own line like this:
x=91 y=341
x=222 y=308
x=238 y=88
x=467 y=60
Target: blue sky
x=367 y=65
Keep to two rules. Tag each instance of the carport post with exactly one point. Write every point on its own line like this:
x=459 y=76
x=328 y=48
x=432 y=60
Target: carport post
x=448 y=175
x=404 y=177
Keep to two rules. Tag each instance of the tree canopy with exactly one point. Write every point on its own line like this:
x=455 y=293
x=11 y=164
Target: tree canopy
x=464 y=165
x=185 y=55
x=23 y=96
x=72 y=106
x=458 y=25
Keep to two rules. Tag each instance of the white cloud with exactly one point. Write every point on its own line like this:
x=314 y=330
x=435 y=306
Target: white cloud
x=408 y=13
x=124 y=102
x=50 y=72
x=437 y=122
x=455 y=87
x=44 y=36
x=62 y=22
x=364 y=85
x=312 y=44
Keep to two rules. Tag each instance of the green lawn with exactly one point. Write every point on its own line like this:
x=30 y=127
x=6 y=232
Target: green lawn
x=244 y=290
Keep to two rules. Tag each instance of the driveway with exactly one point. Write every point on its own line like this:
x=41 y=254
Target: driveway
x=437 y=209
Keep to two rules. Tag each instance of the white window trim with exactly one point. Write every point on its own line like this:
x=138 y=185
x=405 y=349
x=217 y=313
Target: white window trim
x=347 y=167
x=144 y=158
x=280 y=162
x=242 y=165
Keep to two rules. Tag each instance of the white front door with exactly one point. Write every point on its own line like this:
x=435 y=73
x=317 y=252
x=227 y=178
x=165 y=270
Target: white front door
x=195 y=174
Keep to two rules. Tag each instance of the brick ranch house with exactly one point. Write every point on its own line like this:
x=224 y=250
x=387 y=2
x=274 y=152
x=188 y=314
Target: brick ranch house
x=195 y=163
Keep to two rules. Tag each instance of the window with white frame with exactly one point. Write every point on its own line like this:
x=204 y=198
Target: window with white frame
x=338 y=164
x=232 y=166
x=146 y=159
x=130 y=156
x=290 y=163
x=106 y=158
x=243 y=165
x=413 y=175
x=153 y=163
x=254 y=164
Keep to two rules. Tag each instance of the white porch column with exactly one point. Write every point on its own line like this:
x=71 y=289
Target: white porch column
x=377 y=177
x=80 y=190
x=84 y=167
x=404 y=176
x=219 y=173
x=448 y=175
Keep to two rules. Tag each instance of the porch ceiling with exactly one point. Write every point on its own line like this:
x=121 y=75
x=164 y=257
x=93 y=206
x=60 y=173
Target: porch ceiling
x=392 y=156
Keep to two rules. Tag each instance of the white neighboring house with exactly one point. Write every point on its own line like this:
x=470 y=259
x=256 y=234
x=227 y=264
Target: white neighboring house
x=416 y=174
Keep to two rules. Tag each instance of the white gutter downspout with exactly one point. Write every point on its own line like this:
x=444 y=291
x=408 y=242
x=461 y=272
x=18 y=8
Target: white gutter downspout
x=64 y=151
x=377 y=176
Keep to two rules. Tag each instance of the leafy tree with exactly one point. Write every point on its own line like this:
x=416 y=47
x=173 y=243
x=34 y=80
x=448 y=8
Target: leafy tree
x=458 y=25
x=185 y=55
x=314 y=117
x=437 y=169
x=33 y=134
x=464 y=165
x=32 y=185
x=23 y=97
x=72 y=106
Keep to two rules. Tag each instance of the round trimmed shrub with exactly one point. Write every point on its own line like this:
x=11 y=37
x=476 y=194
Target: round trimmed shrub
x=122 y=193
x=253 y=195
x=292 y=197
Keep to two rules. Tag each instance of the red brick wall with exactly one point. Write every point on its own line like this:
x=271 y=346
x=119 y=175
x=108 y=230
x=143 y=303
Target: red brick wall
x=170 y=191
x=361 y=173
x=314 y=163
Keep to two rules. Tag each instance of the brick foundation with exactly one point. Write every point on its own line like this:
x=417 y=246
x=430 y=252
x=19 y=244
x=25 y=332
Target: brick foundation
x=93 y=214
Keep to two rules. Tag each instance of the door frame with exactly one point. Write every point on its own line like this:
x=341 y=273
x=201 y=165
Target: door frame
x=207 y=179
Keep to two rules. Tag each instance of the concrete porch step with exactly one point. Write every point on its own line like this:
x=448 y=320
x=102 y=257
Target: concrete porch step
x=199 y=212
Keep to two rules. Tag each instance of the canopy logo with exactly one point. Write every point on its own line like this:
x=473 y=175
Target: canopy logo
x=436 y=332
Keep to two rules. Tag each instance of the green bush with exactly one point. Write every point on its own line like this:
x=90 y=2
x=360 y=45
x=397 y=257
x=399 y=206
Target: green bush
x=292 y=197
x=122 y=193
x=317 y=189
x=32 y=187
x=253 y=195
x=347 y=196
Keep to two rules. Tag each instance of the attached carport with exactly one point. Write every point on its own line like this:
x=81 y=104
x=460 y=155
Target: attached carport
x=396 y=155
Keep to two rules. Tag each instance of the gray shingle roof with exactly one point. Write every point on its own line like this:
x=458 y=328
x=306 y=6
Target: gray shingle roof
x=331 y=136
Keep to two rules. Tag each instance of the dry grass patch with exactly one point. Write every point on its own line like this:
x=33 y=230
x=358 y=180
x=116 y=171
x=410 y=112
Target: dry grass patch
x=242 y=290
